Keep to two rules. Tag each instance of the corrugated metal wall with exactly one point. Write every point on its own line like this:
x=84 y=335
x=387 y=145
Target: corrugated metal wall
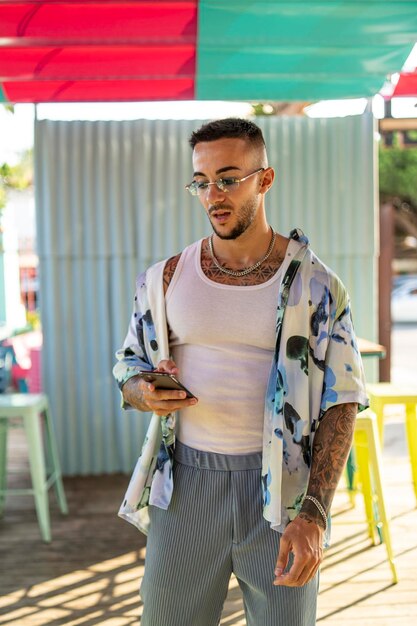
x=110 y=201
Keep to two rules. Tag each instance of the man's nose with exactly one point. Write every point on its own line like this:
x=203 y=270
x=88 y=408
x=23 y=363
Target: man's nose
x=214 y=194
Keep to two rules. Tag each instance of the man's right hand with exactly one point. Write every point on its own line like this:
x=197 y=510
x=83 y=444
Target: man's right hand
x=144 y=396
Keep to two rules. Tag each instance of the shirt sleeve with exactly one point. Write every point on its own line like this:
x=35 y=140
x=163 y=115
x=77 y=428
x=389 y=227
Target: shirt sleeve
x=133 y=357
x=344 y=379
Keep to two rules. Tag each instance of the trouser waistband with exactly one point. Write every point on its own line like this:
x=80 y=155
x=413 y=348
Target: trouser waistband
x=202 y=459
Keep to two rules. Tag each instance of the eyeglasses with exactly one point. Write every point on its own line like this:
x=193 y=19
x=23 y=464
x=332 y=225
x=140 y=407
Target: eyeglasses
x=197 y=188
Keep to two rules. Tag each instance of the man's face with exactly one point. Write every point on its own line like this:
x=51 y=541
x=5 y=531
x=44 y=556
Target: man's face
x=231 y=213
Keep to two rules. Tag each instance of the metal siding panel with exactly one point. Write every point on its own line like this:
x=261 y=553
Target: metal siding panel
x=143 y=207
x=76 y=172
x=102 y=207
x=113 y=189
x=326 y=185
x=103 y=381
x=111 y=201
x=79 y=340
x=125 y=214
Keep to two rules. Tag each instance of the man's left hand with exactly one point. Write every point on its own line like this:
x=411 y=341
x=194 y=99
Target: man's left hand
x=304 y=538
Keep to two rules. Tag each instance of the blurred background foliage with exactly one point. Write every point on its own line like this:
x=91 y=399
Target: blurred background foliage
x=398 y=175
x=18 y=176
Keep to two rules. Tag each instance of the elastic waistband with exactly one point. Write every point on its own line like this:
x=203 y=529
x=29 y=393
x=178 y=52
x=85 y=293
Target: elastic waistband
x=213 y=461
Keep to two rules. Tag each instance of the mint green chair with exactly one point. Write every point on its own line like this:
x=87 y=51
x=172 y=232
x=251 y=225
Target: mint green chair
x=45 y=471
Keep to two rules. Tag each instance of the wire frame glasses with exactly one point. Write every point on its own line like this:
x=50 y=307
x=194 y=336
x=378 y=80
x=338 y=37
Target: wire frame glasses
x=226 y=184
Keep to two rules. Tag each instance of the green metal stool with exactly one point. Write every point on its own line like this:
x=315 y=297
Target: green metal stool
x=45 y=472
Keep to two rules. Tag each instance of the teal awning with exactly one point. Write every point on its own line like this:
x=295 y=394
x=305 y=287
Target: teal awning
x=301 y=50
x=91 y=50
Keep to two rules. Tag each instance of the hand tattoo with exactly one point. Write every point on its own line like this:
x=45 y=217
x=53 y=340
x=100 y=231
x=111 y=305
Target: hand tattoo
x=133 y=394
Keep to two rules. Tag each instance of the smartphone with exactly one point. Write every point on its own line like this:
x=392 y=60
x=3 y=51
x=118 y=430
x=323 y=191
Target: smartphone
x=163 y=380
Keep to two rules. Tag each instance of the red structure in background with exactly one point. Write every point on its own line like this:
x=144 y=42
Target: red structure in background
x=407 y=85
x=29 y=287
x=26 y=368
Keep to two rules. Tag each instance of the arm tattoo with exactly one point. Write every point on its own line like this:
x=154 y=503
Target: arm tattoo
x=331 y=446
x=133 y=394
x=169 y=269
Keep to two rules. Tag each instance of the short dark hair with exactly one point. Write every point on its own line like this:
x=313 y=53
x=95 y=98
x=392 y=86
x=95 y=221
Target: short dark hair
x=229 y=128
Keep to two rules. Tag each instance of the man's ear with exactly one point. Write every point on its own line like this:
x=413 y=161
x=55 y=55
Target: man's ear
x=267 y=180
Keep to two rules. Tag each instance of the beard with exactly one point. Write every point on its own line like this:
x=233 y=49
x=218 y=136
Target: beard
x=246 y=216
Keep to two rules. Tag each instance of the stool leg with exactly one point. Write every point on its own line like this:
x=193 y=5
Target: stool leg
x=32 y=425
x=3 y=463
x=377 y=406
x=54 y=460
x=362 y=458
x=375 y=457
x=411 y=429
x=351 y=476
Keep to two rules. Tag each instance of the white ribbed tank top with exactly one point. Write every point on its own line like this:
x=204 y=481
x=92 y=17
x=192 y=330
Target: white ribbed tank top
x=222 y=339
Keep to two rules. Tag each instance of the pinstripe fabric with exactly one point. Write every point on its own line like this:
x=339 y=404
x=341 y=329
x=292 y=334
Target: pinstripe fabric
x=213 y=527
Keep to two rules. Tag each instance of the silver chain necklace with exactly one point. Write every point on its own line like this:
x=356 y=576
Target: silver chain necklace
x=247 y=270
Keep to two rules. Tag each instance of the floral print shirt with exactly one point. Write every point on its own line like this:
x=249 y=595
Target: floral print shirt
x=316 y=365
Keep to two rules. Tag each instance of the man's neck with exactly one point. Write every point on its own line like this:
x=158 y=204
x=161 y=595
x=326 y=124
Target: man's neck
x=246 y=249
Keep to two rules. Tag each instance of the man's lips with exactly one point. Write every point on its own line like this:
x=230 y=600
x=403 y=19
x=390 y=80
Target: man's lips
x=219 y=213
x=221 y=217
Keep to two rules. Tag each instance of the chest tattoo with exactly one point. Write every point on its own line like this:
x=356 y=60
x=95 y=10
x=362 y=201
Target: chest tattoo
x=262 y=274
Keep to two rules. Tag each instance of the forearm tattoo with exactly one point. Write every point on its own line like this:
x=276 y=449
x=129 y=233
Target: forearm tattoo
x=331 y=446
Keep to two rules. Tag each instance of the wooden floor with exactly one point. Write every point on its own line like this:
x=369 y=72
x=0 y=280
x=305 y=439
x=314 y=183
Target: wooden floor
x=90 y=573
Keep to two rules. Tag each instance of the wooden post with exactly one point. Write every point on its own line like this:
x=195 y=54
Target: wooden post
x=386 y=253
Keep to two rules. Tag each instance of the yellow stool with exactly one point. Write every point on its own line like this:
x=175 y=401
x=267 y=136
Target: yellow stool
x=382 y=394
x=368 y=460
x=30 y=407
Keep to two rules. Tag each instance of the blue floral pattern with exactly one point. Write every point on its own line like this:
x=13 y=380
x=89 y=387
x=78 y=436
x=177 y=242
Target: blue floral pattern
x=316 y=365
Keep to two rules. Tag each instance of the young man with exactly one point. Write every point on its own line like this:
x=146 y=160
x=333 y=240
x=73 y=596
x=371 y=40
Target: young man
x=242 y=478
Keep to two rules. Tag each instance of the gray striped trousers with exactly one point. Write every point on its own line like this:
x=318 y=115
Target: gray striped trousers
x=213 y=527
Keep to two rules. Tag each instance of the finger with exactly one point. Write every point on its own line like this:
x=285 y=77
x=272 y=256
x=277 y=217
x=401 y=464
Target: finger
x=312 y=573
x=168 y=366
x=167 y=400
x=291 y=577
x=167 y=406
x=283 y=556
x=291 y=580
x=167 y=394
x=301 y=572
x=315 y=564
x=171 y=403
x=312 y=564
x=144 y=386
x=306 y=574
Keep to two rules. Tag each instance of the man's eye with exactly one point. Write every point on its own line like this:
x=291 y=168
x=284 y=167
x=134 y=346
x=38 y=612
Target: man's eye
x=228 y=182
x=200 y=185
